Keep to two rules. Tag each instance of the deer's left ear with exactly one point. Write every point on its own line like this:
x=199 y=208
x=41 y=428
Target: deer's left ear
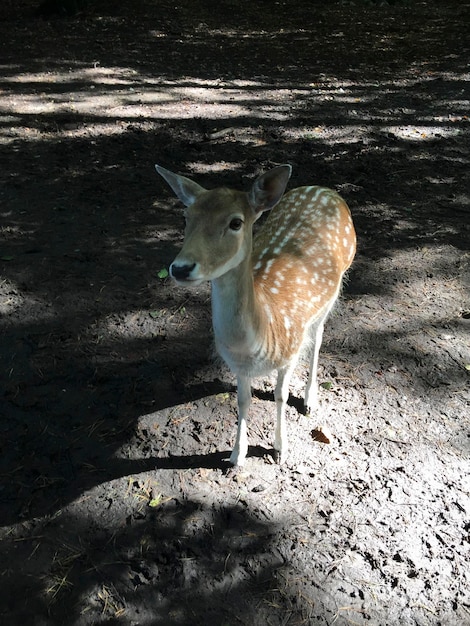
x=185 y=189
x=269 y=188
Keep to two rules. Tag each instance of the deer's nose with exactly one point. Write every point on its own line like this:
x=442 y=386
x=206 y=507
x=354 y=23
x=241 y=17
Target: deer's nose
x=181 y=272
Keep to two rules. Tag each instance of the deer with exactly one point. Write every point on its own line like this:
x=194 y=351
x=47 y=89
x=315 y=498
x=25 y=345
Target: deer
x=272 y=291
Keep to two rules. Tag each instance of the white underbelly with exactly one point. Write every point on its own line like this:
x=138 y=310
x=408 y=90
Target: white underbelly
x=248 y=363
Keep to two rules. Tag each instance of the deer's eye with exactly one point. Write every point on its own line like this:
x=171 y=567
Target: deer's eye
x=236 y=223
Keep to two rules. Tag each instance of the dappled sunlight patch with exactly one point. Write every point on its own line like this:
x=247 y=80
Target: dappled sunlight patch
x=16 y=303
x=346 y=134
x=128 y=325
x=102 y=100
x=76 y=76
x=209 y=168
x=422 y=133
x=422 y=342
x=157 y=323
x=11 y=298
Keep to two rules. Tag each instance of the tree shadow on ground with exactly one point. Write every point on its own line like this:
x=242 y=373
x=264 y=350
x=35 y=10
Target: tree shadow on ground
x=181 y=562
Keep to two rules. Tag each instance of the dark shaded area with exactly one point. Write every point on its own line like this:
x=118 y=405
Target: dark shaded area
x=161 y=559
x=61 y=8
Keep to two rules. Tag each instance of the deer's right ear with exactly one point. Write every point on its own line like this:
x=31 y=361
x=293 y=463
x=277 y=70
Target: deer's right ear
x=268 y=189
x=185 y=189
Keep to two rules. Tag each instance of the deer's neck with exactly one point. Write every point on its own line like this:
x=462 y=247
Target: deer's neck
x=236 y=317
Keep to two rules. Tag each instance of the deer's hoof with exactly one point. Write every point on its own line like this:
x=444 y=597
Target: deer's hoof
x=237 y=458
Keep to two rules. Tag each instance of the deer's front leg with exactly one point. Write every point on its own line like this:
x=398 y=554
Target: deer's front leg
x=244 y=400
x=281 y=395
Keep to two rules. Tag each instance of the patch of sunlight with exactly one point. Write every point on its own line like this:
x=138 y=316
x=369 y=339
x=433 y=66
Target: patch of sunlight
x=209 y=168
x=425 y=155
x=159 y=103
x=411 y=292
x=10 y=119
x=12 y=300
x=205 y=31
x=103 y=100
x=128 y=325
x=422 y=133
x=90 y=75
x=328 y=134
x=11 y=134
x=462 y=199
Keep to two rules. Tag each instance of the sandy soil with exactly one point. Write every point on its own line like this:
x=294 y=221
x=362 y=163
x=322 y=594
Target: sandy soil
x=117 y=505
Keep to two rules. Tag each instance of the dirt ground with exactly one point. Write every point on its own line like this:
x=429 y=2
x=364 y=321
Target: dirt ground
x=117 y=504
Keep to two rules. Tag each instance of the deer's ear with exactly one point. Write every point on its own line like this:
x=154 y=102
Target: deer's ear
x=185 y=189
x=269 y=188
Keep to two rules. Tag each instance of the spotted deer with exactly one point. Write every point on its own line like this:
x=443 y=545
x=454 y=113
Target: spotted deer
x=271 y=292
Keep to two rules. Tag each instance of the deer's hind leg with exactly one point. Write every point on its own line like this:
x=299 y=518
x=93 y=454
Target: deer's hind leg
x=311 y=390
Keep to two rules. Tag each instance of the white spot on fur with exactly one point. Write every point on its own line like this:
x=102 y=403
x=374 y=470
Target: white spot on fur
x=268 y=265
x=269 y=315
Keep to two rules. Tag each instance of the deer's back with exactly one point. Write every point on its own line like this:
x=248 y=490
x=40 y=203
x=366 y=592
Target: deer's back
x=299 y=257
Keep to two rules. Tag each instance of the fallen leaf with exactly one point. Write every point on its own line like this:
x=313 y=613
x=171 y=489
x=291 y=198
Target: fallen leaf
x=154 y=502
x=321 y=434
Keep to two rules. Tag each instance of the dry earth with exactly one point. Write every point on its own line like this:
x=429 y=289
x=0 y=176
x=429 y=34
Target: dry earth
x=117 y=506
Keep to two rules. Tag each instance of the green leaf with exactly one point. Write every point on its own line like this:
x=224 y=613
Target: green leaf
x=7 y=257
x=154 y=502
x=163 y=273
x=327 y=385
x=155 y=314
